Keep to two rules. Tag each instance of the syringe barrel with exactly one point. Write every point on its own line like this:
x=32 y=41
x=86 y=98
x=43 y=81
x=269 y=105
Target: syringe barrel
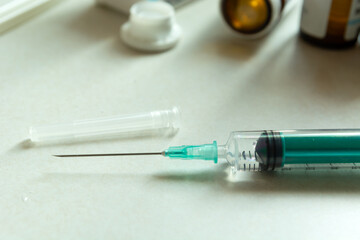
x=293 y=149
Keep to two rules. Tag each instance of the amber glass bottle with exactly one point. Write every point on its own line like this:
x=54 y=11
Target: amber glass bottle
x=331 y=23
x=253 y=18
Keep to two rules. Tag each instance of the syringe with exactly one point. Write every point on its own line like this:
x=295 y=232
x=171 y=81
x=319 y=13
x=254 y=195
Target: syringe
x=273 y=150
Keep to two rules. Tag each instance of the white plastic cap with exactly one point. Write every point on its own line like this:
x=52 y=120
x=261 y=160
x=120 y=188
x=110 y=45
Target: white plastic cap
x=151 y=27
x=159 y=122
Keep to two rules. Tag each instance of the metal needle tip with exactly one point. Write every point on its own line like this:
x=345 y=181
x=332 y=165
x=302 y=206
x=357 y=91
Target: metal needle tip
x=109 y=154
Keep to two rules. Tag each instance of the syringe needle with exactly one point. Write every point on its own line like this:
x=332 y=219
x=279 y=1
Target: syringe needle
x=109 y=154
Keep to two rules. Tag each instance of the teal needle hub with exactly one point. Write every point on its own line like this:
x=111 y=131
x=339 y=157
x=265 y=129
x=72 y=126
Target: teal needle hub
x=204 y=152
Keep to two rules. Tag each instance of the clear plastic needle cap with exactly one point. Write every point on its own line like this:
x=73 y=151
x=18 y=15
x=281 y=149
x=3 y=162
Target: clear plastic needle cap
x=163 y=122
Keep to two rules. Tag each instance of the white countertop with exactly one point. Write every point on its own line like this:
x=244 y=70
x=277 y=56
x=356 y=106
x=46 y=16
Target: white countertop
x=68 y=63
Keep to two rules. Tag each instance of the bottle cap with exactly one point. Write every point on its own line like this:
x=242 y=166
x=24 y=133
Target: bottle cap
x=152 y=27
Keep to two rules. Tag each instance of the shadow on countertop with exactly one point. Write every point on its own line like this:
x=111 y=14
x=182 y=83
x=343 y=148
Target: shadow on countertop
x=288 y=51
x=97 y=23
x=312 y=182
x=331 y=182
